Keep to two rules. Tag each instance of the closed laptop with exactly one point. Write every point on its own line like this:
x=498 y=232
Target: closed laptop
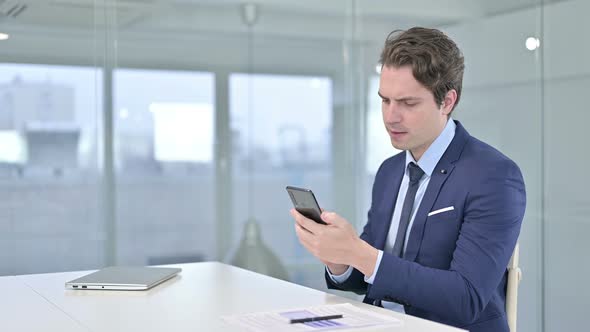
x=123 y=278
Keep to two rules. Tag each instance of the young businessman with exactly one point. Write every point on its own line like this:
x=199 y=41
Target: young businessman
x=445 y=213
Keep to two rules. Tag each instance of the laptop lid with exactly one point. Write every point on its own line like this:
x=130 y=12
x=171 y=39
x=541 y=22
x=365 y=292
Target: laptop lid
x=124 y=278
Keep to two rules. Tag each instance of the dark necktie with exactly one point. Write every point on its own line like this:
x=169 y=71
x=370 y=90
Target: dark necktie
x=415 y=175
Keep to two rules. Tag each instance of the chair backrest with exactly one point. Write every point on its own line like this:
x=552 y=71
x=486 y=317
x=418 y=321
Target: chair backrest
x=514 y=277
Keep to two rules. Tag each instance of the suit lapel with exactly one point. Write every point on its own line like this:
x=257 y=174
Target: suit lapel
x=437 y=180
x=392 y=183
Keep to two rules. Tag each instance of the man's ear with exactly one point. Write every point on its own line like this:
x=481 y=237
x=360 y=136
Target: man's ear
x=449 y=102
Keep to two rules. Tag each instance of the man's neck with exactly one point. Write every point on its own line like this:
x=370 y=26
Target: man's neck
x=418 y=152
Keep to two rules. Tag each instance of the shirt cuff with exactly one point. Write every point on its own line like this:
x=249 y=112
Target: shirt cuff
x=341 y=277
x=371 y=278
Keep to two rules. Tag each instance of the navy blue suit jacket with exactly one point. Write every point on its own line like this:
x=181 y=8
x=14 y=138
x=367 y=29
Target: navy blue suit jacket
x=454 y=267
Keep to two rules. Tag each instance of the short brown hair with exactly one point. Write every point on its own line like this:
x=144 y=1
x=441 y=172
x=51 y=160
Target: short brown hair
x=436 y=61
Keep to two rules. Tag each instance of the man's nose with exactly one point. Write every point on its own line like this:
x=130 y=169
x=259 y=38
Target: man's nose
x=392 y=113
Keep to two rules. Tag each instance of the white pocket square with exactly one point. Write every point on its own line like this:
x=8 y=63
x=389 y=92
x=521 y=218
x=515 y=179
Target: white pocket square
x=450 y=208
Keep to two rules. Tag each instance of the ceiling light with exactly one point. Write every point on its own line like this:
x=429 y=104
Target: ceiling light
x=532 y=43
x=4 y=36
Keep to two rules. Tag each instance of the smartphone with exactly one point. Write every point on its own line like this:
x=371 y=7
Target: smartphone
x=305 y=203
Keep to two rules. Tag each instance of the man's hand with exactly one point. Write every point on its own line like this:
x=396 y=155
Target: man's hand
x=336 y=269
x=336 y=244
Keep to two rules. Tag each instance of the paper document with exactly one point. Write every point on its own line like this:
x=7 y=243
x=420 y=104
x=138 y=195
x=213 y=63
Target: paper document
x=280 y=320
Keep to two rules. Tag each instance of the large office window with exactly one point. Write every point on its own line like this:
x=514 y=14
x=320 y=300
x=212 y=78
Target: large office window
x=49 y=210
x=164 y=159
x=281 y=134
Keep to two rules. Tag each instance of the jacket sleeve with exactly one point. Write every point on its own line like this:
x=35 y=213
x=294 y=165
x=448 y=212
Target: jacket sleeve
x=356 y=282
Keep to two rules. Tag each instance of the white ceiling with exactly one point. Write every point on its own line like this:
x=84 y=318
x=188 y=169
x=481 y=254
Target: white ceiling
x=210 y=34
x=325 y=19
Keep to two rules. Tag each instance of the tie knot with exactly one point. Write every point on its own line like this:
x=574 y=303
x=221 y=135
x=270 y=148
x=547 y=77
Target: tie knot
x=415 y=172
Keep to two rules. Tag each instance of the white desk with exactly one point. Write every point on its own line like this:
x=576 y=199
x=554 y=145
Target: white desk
x=193 y=301
x=22 y=309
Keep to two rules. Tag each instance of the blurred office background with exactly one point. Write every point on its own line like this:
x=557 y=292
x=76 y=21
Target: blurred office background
x=165 y=131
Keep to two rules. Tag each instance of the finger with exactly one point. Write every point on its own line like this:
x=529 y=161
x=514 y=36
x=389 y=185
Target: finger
x=306 y=223
x=298 y=229
x=304 y=237
x=297 y=216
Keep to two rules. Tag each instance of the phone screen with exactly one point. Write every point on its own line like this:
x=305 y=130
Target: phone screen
x=305 y=203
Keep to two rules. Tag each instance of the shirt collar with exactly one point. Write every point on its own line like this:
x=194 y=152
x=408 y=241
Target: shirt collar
x=435 y=151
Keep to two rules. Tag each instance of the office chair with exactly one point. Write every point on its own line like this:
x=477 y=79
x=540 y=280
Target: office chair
x=514 y=277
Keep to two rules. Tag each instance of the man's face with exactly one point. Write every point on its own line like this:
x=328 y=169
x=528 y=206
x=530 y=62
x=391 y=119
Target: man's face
x=411 y=116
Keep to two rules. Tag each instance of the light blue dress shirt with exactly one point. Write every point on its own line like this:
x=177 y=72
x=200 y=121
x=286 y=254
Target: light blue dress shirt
x=427 y=163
